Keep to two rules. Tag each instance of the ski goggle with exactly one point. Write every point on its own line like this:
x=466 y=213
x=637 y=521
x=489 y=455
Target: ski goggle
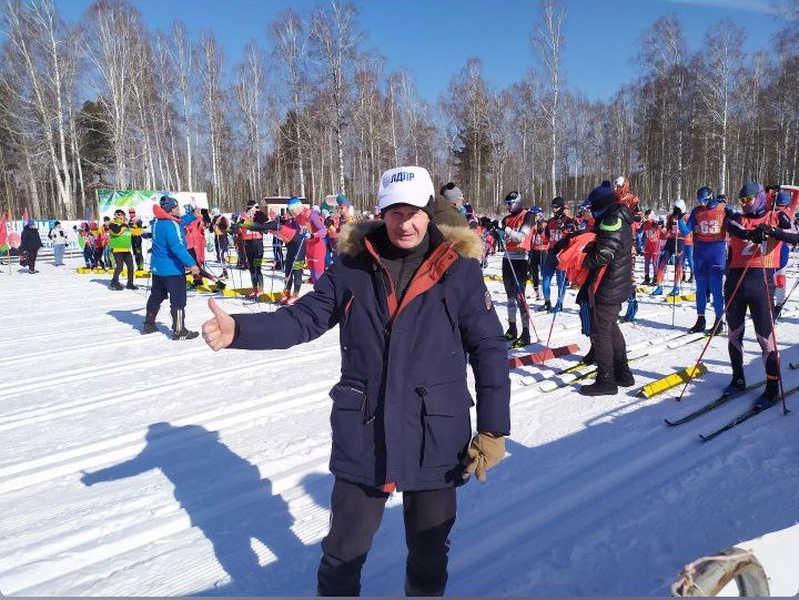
x=748 y=199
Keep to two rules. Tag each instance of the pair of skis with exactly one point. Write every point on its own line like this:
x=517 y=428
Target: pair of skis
x=722 y=400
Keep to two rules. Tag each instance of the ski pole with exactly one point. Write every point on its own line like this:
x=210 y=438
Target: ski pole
x=561 y=291
x=774 y=342
x=717 y=324
x=785 y=301
x=520 y=295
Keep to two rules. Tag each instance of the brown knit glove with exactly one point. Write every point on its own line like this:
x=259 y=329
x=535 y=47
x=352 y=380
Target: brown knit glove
x=485 y=451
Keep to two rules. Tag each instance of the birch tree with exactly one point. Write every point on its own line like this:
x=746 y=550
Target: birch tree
x=290 y=41
x=722 y=58
x=35 y=37
x=250 y=89
x=548 y=41
x=112 y=31
x=337 y=38
x=213 y=105
x=664 y=56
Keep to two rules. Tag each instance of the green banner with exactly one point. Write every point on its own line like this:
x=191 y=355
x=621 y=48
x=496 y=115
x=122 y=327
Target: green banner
x=111 y=199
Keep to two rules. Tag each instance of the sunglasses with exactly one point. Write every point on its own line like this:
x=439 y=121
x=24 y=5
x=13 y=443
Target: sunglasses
x=747 y=199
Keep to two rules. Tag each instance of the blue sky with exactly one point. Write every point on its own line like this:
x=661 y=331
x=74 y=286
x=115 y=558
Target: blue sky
x=434 y=38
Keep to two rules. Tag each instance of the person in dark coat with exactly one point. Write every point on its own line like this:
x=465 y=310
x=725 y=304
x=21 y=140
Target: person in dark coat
x=412 y=308
x=609 y=260
x=30 y=242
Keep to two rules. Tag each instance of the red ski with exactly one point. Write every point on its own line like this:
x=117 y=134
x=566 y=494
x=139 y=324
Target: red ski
x=542 y=356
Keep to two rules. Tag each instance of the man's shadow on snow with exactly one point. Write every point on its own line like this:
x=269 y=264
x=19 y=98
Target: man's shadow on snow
x=134 y=317
x=223 y=495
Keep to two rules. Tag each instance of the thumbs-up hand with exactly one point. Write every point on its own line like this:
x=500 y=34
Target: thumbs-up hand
x=218 y=331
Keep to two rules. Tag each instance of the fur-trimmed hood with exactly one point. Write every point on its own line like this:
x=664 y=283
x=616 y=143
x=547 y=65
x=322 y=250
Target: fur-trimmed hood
x=464 y=240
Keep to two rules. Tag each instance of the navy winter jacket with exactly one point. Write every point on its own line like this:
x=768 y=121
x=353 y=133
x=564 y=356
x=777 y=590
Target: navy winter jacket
x=401 y=411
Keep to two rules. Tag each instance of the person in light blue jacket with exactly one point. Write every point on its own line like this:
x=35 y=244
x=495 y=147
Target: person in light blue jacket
x=170 y=259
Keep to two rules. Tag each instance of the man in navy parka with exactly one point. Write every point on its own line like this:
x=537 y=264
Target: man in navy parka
x=412 y=308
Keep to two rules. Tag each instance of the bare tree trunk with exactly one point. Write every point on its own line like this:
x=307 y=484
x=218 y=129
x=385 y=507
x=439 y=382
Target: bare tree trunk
x=333 y=30
x=548 y=42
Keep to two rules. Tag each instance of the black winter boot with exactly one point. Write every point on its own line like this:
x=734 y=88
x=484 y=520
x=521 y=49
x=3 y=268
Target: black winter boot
x=149 y=323
x=179 y=331
x=605 y=385
x=511 y=334
x=589 y=358
x=624 y=377
x=699 y=326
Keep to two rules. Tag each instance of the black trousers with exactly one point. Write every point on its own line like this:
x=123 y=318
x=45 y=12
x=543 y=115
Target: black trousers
x=136 y=248
x=609 y=346
x=123 y=259
x=255 y=257
x=356 y=513
x=537 y=259
x=172 y=286
x=755 y=292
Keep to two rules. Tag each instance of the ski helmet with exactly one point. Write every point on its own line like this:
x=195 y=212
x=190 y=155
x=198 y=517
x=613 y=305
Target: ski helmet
x=704 y=195
x=513 y=201
x=783 y=198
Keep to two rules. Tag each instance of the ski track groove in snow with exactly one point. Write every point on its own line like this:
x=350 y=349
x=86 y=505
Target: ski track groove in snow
x=32 y=472
x=77 y=406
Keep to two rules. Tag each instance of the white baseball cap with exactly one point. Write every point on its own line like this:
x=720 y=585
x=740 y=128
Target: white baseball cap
x=406 y=185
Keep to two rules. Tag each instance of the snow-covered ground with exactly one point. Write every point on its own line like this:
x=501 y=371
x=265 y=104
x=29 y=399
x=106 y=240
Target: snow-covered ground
x=208 y=471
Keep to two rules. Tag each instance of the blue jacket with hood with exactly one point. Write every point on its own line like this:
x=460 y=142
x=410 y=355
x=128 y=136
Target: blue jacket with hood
x=169 y=256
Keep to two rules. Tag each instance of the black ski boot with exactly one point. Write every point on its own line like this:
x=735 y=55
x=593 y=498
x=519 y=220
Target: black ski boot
x=547 y=307
x=624 y=377
x=770 y=395
x=718 y=327
x=149 y=323
x=179 y=331
x=737 y=384
x=116 y=286
x=511 y=334
x=521 y=341
x=699 y=326
x=605 y=385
